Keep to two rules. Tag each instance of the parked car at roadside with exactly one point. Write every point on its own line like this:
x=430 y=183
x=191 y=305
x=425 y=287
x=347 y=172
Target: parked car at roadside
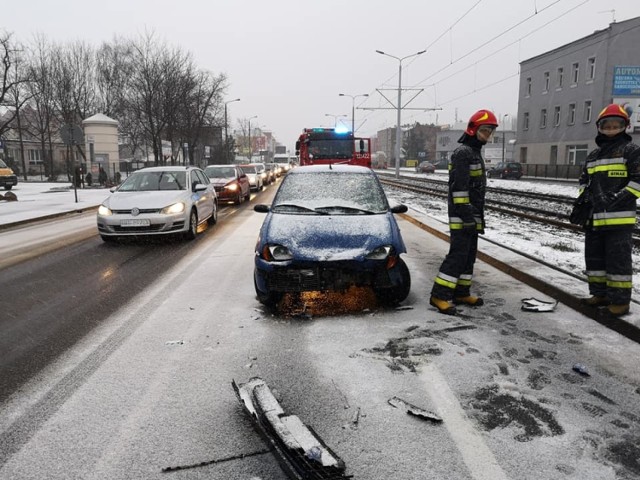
x=425 y=167
x=505 y=170
x=8 y=178
x=330 y=227
x=159 y=201
x=230 y=182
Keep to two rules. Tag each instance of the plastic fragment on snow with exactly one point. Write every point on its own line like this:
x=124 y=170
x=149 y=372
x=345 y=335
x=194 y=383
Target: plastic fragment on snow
x=300 y=451
x=174 y=342
x=414 y=410
x=404 y=307
x=535 y=305
x=581 y=369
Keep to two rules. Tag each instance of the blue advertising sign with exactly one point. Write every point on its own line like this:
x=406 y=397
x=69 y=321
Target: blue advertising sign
x=626 y=80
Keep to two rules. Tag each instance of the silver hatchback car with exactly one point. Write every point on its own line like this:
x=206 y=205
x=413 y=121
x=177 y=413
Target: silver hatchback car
x=159 y=201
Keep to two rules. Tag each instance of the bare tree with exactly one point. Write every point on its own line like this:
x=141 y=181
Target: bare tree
x=10 y=78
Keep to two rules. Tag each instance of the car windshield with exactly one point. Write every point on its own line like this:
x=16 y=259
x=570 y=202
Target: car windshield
x=249 y=169
x=3 y=165
x=220 y=172
x=154 y=181
x=342 y=148
x=334 y=193
x=258 y=168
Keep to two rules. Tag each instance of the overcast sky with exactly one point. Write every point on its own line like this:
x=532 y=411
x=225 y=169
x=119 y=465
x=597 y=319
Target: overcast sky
x=288 y=60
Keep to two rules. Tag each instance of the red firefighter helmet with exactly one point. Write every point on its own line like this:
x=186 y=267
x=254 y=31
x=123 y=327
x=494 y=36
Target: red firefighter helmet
x=481 y=117
x=614 y=110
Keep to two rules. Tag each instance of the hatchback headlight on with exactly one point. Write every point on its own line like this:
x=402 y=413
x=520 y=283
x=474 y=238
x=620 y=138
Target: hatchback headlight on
x=379 y=253
x=104 y=211
x=232 y=186
x=172 y=209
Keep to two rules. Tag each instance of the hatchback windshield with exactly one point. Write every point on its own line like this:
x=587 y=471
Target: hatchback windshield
x=154 y=181
x=249 y=169
x=336 y=193
x=220 y=172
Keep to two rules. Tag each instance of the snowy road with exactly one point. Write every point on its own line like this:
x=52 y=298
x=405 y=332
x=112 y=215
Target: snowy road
x=149 y=386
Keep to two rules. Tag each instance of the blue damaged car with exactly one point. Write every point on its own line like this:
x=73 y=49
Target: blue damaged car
x=330 y=227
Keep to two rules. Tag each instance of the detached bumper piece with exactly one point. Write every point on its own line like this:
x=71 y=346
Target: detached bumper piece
x=301 y=453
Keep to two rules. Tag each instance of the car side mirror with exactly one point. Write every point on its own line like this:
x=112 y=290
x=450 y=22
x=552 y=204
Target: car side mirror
x=261 y=208
x=199 y=187
x=399 y=209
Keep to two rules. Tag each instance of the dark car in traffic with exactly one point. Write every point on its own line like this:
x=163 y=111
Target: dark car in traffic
x=330 y=227
x=230 y=182
x=425 y=167
x=505 y=170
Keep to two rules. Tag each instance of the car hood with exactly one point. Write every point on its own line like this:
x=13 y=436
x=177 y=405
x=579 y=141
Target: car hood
x=331 y=237
x=220 y=182
x=144 y=200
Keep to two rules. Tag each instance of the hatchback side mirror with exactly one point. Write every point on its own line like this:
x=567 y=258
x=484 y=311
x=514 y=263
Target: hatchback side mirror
x=261 y=208
x=399 y=209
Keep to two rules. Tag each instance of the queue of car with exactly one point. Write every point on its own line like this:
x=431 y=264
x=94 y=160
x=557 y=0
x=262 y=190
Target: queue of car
x=330 y=227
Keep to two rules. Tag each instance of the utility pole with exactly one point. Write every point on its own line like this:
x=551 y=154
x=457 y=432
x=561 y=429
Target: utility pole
x=226 y=137
x=353 y=108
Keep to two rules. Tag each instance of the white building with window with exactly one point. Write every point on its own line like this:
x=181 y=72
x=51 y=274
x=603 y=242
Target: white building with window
x=562 y=91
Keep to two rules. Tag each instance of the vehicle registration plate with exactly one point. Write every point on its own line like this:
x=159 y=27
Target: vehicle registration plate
x=135 y=222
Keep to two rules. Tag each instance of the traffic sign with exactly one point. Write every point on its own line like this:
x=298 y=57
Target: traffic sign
x=72 y=135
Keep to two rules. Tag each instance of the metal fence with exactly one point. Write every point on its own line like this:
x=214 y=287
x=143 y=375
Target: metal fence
x=571 y=172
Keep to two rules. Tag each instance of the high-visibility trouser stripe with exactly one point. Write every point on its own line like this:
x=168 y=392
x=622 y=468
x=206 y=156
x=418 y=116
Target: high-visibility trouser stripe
x=446 y=280
x=613 y=221
x=465 y=279
x=460 y=197
x=597 y=276
x=612 y=284
x=634 y=188
x=475 y=173
x=614 y=167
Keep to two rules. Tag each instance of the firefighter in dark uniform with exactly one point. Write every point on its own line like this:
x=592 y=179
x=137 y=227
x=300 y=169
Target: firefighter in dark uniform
x=611 y=176
x=467 y=184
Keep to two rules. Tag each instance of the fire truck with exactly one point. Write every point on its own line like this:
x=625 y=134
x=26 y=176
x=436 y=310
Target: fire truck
x=322 y=146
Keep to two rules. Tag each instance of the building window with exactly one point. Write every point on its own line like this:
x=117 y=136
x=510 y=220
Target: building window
x=556 y=116
x=543 y=118
x=523 y=154
x=591 y=68
x=546 y=82
x=577 y=154
x=572 y=114
x=587 y=111
x=525 y=121
x=553 y=155
x=528 y=87
x=444 y=141
x=559 y=77
x=35 y=156
x=575 y=73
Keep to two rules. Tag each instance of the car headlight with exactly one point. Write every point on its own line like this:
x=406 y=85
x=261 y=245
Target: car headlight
x=277 y=253
x=104 y=211
x=379 y=253
x=232 y=186
x=171 y=209
x=263 y=175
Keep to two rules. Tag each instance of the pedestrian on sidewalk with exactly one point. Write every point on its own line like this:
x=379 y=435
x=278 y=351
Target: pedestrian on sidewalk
x=611 y=179
x=467 y=185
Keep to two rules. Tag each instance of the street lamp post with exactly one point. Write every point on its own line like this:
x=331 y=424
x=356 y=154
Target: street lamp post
x=399 y=106
x=226 y=136
x=353 y=108
x=335 y=118
x=250 y=147
x=504 y=133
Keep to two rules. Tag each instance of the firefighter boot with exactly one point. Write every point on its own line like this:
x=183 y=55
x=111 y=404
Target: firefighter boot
x=469 y=300
x=595 y=301
x=443 y=306
x=618 y=310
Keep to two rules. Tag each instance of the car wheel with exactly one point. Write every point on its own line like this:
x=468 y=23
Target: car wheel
x=247 y=197
x=269 y=299
x=503 y=176
x=396 y=294
x=191 y=233
x=8 y=187
x=108 y=239
x=213 y=219
x=239 y=198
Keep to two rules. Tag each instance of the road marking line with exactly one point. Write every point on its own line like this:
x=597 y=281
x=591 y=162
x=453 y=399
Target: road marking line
x=476 y=454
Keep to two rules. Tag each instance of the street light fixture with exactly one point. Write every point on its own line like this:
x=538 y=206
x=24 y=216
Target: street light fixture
x=226 y=136
x=399 y=106
x=250 y=147
x=353 y=108
x=335 y=118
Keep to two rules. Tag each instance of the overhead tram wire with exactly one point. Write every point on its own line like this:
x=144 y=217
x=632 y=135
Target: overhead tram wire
x=373 y=113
